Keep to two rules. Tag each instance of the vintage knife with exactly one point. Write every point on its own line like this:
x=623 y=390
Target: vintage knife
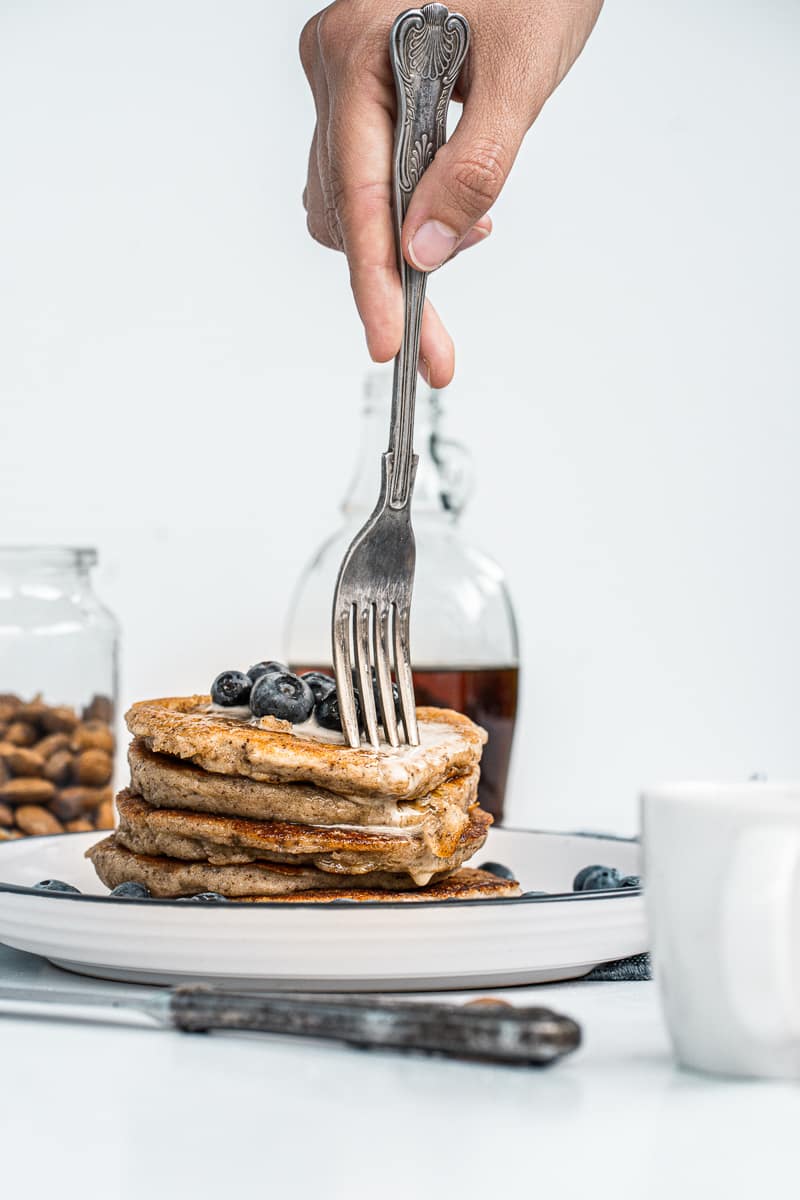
x=489 y=1031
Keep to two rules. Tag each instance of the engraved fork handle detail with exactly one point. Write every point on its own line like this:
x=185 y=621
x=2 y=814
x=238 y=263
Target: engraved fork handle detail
x=427 y=49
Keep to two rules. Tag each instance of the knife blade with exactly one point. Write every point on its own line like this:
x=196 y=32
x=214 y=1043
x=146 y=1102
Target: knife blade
x=489 y=1031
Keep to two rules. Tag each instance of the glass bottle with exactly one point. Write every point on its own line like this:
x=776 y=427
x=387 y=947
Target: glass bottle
x=58 y=686
x=463 y=632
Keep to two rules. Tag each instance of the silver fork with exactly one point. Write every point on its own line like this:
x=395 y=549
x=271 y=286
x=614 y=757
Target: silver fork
x=372 y=601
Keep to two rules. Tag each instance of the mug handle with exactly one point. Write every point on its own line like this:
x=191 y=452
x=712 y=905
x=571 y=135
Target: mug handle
x=760 y=928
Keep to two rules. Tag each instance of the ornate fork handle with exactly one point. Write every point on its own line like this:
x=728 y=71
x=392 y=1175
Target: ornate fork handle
x=372 y=601
x=427 y=49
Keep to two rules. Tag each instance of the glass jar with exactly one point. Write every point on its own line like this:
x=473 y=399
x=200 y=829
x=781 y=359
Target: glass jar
x=463 y=632
x=58 y=685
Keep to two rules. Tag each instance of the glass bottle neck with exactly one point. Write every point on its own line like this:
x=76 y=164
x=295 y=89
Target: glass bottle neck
x=432 y=499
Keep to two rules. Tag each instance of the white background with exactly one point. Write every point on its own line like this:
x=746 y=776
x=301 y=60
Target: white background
x=180 y=367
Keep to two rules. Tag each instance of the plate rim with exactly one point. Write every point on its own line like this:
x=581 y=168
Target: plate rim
x=619 y=894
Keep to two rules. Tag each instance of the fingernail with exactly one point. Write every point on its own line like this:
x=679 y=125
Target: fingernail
x=431 y=245
x=424 y=368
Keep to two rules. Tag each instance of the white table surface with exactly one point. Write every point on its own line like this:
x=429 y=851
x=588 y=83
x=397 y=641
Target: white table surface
x=88 y=1111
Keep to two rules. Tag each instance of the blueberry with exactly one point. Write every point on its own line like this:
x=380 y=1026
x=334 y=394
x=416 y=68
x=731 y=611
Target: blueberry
x=57 y=885
x=329 y=716
x=204 y=898
x=630 y=881
x=282 y=695
x=497 y=869
x=269 y=667
x=231 y=687
x=395 y=696
x=321 y=685
x=131 y=890
x=376 y=692
x=596 y=879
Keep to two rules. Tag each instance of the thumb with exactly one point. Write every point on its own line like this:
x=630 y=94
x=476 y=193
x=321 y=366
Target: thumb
x=461 y=184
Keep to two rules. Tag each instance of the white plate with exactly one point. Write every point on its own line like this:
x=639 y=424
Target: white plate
x=355 y=947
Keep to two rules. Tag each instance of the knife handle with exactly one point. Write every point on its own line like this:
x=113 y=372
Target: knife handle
x=492 y=1032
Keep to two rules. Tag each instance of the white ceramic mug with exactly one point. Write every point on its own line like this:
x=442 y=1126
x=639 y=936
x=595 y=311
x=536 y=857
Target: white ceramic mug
x=722 y=886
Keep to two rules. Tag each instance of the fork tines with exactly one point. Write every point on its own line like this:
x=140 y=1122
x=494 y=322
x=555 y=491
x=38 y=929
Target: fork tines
x=384 y=629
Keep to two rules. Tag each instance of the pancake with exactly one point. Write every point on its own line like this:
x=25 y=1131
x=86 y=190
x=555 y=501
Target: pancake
x=172 y=783
x=189 y=728
x=222 y=841
x=468 y=883
x=170 y=878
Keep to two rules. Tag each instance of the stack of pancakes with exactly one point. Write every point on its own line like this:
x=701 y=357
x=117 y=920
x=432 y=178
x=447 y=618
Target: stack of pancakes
x=257 y=809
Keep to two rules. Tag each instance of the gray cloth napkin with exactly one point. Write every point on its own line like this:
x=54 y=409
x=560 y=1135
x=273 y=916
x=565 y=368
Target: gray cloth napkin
x=635 y=969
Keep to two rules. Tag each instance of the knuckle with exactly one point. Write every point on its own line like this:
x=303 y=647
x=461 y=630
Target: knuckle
x=333 y=228
x=368 y=197
x=477 y=179
x=308 y=44
x=333 y=32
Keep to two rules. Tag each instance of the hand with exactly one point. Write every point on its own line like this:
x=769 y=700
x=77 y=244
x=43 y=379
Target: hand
x=520 y=51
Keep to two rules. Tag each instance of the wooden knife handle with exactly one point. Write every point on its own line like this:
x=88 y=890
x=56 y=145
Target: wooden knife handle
x=498 y=1033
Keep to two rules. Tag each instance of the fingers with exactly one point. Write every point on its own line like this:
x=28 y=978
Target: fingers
x=320 y=208
x=348 y=193
x=479 y=233
x=463 y=181
x=360 y=131
x=359 y=166
x=314 y=202
x=436 y=350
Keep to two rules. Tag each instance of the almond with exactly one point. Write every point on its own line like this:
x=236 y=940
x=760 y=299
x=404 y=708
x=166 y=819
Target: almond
x=32 y=712
x=93 y=735
x=23 y=762
x=8 y=707
x=101 y=708
x=6 y=815
x=27 y=791
x=93 y=767
x=82 y=799
x=60 y=719
x=9 y=835
x=52 y=743
x=21 y=733
x=69 y=804
x=105 y=815
x=58 y=768
x=81 y=825
x=35 y=820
